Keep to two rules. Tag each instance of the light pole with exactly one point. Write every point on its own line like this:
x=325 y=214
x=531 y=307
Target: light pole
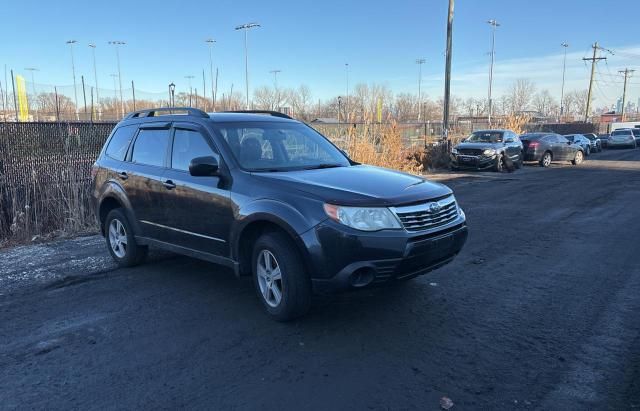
x=117 y=44
x=115 y=87
x=33 y=86
x=172 y=92
x=73 y=71
x=246 y=27
x=420 y=62
x=339 y=107
x=95 y=74
x=213 y=99
x=346 y=110
x=493 y=24
x=275 y=85
x=564 y=67
x=189 y=77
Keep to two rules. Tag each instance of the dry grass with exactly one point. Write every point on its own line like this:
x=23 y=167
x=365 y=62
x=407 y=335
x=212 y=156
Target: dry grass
x=516 y=123
x=44 y=209
x=381 y=145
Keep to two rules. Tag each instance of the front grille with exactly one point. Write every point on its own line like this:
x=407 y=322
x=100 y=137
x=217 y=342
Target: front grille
x=428 y=215
x=470 y=151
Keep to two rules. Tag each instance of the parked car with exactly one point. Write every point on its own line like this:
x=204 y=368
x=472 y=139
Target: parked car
x=604 y=140
x=269 y=197
x=582 y=141
x=622 y=138
x=486 y=149
x=546 y=148
x=636 y=135
x=596 y=143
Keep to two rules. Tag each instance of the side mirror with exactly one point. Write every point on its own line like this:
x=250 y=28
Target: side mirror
x=204 y=166
x=569 y=143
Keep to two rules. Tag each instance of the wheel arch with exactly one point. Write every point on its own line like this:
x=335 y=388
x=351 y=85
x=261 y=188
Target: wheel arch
x=113 y=196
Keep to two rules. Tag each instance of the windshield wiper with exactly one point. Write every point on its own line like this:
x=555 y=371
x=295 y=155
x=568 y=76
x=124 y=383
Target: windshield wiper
x=324 y=165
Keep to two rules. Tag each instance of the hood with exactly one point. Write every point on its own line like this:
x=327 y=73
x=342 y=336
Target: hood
x=358 y=185
x=480 y=146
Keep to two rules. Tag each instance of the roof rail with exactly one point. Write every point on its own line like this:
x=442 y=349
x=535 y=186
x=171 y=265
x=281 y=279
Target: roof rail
x=267 y=112
x=153 y=112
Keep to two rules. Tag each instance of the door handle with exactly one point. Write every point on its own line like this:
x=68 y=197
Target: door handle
x=123 y=175
x=169 y=185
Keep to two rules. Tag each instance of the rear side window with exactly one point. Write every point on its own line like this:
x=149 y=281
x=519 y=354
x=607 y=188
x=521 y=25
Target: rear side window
x=119 y=143
x=150 y=147
x=187 y=145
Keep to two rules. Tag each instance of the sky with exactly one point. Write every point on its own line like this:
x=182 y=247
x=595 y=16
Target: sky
x=310 y=42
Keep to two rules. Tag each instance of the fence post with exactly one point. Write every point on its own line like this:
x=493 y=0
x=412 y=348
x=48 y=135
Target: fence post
x=84 y=97
x=133 y=90
x=91 y=105
x=55 y=90
x=15 y=102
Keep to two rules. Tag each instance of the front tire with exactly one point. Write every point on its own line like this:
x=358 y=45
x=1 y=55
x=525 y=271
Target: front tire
x=588 y=152
x=578 y=159
x=121 y=242
x=499 y=166
x=520 y=163
x=280 y=278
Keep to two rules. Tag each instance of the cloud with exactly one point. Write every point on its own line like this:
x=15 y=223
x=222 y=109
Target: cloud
x=471 y=79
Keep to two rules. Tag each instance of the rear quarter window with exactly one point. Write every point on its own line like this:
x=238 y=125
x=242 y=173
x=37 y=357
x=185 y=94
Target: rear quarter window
x=119 y=143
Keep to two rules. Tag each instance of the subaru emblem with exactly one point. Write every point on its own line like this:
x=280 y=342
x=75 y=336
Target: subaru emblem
x=434 y=207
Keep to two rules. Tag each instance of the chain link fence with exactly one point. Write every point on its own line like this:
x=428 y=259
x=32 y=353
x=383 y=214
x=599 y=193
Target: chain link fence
x=45 y=175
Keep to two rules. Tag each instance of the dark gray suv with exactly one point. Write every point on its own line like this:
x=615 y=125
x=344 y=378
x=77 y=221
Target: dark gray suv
x=271 y=198
x=487 y=149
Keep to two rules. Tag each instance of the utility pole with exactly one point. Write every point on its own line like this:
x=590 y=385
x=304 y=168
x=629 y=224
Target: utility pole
x=420 y=62
x=626 y=73
x=493 y=23
x=447 y=72
x=189 y=77
x=593 y=61
x=73 y=71
x=117 y=44
x=275 y=85
x=95 y=75
x=246 y=27
x=564 y=68
x=210 y=42
x=346 y=110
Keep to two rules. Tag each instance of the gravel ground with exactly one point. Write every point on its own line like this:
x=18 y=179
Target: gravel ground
x=539 y=311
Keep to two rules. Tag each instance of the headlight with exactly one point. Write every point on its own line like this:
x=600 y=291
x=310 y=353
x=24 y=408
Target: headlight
x=489 y=152
x=454 y=151
x=363 y=218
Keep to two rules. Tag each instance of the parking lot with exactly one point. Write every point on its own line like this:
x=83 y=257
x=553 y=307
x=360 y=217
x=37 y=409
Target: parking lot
x=539 y=311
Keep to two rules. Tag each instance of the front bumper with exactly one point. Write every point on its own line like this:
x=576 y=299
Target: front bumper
x=472 y=162
x=343 y=258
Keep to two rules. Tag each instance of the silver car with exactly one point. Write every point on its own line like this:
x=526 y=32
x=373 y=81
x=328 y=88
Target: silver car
x=622 y=138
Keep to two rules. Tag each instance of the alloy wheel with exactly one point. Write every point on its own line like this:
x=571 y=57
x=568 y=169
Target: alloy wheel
x=269 y=278
x=546 y=160
x=118 y=238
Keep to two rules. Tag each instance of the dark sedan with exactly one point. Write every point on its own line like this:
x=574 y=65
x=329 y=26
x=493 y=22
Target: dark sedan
x=596 y=143
x=604 y=140
x=582 y=141
x=546 y=148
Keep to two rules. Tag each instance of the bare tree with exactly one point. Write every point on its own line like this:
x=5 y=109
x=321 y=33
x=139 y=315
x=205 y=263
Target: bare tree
x=544 y=103
x=520 y=95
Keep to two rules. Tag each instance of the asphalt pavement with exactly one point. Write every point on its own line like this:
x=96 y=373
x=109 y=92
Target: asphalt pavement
x=541 y=310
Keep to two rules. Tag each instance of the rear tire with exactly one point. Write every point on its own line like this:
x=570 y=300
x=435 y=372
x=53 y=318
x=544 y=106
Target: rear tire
x=280 y=278
x=121 y=242
x=545 y=161
x=588 y=151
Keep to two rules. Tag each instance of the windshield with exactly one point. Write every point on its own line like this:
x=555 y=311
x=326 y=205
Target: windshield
x=636 y=131
x=280 y=146
x=485 y=137
x=621 y=133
